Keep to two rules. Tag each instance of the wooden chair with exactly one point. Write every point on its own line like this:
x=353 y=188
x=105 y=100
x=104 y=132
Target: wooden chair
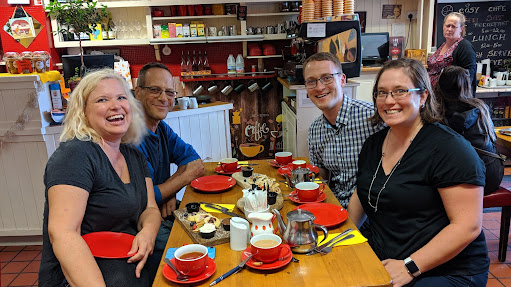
x=501 y=198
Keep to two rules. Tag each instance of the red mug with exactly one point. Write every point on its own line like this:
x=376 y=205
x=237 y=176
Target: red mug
x=173 y=10
x=229 y=164
x=191 y=259
x=284 y=157
x=266 y=247
x=191 y=10
x=199 y=9
x=309 y=191
x=182 y=10
x=299 y=164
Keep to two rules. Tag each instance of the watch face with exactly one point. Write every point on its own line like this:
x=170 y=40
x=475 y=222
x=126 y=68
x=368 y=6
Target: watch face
x=412 y=267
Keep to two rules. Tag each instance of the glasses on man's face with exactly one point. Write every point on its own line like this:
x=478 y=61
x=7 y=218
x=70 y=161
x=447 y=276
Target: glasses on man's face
x=397 y=95
x=325 y=80
x=157 y=91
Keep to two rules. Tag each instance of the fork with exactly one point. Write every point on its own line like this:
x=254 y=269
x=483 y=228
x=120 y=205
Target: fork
x=328 y=249
x=180 y=276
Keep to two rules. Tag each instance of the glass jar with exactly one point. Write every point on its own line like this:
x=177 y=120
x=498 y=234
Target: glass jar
x=39 y=62
x=10 y=59
x=25 y=64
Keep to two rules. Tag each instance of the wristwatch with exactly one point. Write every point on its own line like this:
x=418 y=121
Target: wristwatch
x=412 y=267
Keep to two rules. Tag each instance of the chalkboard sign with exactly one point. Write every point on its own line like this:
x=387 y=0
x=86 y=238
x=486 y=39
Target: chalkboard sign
x=488 y=27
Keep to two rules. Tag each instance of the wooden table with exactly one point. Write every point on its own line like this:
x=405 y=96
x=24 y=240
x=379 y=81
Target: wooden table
x=504 y=141
x=354 y=265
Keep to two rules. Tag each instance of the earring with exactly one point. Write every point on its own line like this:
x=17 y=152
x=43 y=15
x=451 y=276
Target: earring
x=422 y=106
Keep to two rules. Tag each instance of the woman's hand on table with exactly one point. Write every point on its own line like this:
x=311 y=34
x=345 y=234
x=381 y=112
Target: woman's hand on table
x=397 y=271
x=141 y=248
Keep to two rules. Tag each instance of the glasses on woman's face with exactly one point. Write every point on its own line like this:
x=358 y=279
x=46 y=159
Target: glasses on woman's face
x=325 y=80
x=157 y=91
x=397 y=95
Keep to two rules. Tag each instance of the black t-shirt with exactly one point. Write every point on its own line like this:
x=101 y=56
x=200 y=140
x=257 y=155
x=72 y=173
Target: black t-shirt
x=112 y=205
x=410 y=210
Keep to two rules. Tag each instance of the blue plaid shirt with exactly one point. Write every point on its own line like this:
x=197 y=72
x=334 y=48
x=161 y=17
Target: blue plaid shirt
x=336 y=148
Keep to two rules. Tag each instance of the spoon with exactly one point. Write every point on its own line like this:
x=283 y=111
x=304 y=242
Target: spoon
x=179 y=275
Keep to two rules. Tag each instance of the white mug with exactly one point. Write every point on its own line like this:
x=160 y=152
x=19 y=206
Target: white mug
x=239 y=233
x=183 y=102
x=493 y=82
x=193 y=103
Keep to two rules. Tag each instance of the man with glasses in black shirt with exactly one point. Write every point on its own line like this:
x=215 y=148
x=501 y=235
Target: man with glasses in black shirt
x=162 y=147
x=336 y=137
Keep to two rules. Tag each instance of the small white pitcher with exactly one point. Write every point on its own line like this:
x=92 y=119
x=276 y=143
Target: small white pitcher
x=239 y=233
x=261 y=223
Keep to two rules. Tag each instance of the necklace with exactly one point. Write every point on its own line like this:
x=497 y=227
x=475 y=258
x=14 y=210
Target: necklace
x=391 y=172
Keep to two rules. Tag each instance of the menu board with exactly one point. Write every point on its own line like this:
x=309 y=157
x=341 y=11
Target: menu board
x=488 y=27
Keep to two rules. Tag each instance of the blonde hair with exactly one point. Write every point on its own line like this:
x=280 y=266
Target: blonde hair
x=462 y=19
x=75 y=122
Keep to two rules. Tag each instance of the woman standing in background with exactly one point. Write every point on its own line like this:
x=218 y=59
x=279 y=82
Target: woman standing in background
x=456 y=50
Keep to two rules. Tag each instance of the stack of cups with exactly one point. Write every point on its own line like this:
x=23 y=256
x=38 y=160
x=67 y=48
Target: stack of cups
x=307 y=11
x=317 y=9
x=338 y=7
x=349 y=6
x=327 y=8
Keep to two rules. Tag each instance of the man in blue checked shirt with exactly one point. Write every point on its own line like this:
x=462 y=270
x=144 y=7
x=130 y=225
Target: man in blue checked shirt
x=162 y=147
x=336 y=137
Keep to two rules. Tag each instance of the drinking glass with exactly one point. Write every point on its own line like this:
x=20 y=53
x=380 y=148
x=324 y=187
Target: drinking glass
x=138 y=27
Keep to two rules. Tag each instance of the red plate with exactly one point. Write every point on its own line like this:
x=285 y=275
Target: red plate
x=213 y=183
x=274 y=163
x=287 y=169
x=327 y=214
x=107 y=244
x=219 y=170
x=293 y=196
x=285 y=257
x=171 y=275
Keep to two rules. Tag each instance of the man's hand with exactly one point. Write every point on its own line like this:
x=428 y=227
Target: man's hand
x=194 y=169
x=168 y=207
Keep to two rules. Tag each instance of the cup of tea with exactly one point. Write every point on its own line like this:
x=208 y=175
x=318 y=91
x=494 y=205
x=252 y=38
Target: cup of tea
x=283 y=157
x=191 y=259
x=266 y=247
x=229 y=164
x=309 y=191
x=299 y=164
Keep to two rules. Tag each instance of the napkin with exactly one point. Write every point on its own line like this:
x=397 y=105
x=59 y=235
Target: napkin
x=170 y=252
x=359 y=238
x=230 y=207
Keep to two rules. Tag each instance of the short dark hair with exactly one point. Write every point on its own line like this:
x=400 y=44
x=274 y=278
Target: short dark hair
x=323 y=56
x=420 y=79
x=142 y=73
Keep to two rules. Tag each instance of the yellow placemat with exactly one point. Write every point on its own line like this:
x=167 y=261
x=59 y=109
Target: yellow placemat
x=240 y=162
x=207 y=209
x=359 y=238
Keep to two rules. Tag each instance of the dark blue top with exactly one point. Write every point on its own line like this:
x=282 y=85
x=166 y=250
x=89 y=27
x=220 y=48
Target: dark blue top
x=162 y=148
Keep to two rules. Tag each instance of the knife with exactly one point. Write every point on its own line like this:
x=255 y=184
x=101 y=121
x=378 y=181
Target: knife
x=221 y=209
x=319 y=248
x=232 y=271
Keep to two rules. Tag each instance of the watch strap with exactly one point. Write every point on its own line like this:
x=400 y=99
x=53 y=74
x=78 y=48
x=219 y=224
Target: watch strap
x=411 y=267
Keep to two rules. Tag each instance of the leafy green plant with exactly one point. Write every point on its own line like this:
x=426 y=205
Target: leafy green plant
x=507 y=64
x=77 y=16
x=76 y=77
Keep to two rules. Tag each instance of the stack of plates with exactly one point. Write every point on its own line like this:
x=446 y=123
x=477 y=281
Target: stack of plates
x=338 y=7
x=327 y=8
x=317 y=9
x=307 y=11
x=349 y=6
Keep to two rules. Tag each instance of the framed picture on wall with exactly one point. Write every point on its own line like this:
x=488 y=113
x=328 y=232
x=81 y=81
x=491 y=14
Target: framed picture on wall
x=362 y=16
x=391 y=11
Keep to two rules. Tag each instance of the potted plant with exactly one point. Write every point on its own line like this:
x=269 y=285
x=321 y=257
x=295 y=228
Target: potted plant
x=74 y=80
x=77 y=16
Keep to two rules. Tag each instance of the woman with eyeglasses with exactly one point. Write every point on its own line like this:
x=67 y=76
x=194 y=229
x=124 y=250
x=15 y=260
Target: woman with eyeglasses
x=98 y=181
x=421 y=185
x=470 y=118
x=456 y=50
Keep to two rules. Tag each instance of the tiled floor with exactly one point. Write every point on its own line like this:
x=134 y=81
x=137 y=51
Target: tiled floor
x=20 y=264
